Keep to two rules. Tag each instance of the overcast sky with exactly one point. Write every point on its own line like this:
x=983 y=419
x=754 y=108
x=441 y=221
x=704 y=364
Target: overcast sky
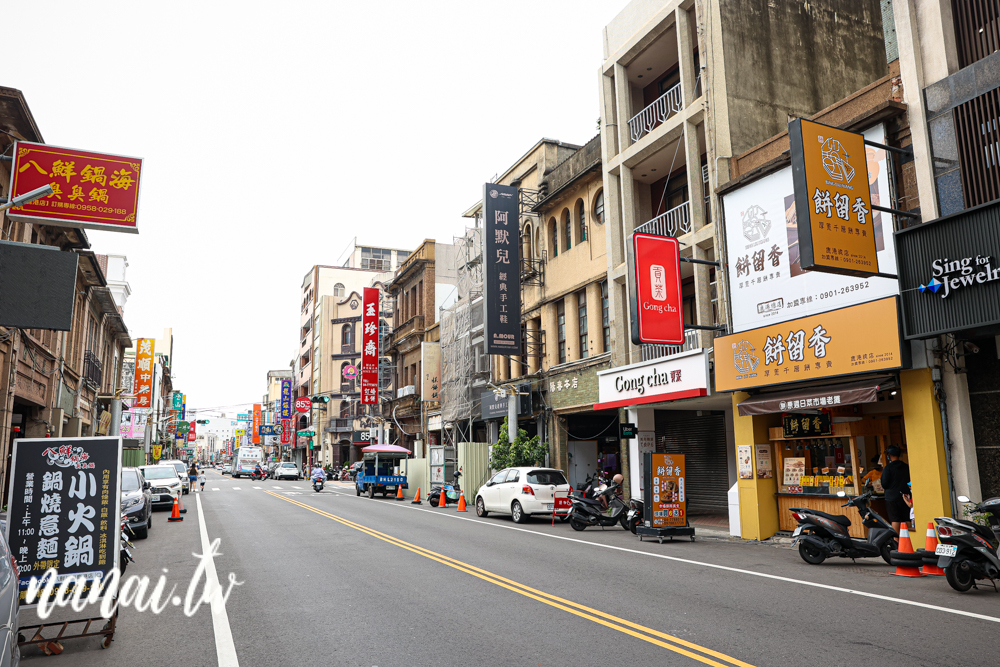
x=273 y=133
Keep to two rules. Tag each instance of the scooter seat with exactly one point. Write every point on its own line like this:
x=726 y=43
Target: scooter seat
x=836 y=518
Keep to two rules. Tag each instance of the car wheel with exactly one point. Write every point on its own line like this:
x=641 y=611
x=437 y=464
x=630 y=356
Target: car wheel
x=357 y=490
x=141 y=532
x=371 y=491
x=517 y=513
x=481 y=507
x=149 y=519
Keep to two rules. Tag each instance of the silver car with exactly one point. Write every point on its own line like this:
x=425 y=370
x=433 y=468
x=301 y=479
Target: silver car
x=10 y=654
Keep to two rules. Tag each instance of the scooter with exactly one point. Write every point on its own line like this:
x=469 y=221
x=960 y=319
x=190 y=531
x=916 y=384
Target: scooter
x=634 y=516
x=966 y=550
x=125 y=553
x=452 y=491
x=820 y=535
x=318 y=484
x=257 y=476
x=590 y=512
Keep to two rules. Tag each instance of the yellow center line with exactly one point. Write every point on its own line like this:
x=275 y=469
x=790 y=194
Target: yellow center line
x=597 y=616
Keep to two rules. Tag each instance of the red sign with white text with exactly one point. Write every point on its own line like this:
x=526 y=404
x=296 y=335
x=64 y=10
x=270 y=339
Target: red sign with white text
x=92 y=190
x=369 y=346
x=655 y=301
x=303 y=404
x=286 y=431
x=191 y=433
x=255 y=433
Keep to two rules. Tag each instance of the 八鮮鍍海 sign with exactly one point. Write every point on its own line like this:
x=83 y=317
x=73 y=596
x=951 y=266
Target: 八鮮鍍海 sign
x=91 y=190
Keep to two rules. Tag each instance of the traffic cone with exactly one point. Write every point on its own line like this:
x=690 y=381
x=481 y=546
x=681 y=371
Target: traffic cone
x=905 y=547
x=461 y=503
x=399 y=492
x=442 y=502
x=929 y=547
x=416 y=498
x=175 y=515
x=183 y=509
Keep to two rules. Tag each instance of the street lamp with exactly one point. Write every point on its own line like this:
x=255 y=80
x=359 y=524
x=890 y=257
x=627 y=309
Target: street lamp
x=28 y=197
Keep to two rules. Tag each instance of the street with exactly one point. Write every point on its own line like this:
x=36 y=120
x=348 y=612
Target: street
x=332 y=578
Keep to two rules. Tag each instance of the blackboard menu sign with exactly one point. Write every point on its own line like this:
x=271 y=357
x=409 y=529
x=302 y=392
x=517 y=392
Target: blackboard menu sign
x=63 y=508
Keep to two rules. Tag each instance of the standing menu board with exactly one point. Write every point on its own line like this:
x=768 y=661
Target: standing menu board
x=63 y=508
x=664 y=491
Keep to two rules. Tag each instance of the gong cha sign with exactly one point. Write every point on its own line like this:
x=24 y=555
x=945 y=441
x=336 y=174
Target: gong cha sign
x=654 y=267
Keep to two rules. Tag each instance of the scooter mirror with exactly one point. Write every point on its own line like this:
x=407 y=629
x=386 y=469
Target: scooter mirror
x=841 y=494
x=964 y=499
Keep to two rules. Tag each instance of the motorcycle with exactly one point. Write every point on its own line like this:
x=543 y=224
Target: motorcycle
x=452 y=492
x=634 y=516
x=820 y=535
x=967 y=551
x=257 y=475
x=317 y=484
x=124 y=554
x=590 y=511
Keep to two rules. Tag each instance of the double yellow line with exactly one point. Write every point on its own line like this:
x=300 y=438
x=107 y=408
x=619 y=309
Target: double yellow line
x=669 y=642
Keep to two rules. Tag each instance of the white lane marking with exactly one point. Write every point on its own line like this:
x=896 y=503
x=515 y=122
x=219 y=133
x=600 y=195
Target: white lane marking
x=225 y=648
x=257 y=487
x=215 y=488
x=775 y=577
x=293 y=493
x=277 y=487
x=296 y=487
x=236 y=488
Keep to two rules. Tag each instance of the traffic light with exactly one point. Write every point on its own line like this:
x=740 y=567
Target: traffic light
x=320 y=399
x=201 y=421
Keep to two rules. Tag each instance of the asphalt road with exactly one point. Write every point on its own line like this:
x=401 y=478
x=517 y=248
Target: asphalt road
x=335 y=579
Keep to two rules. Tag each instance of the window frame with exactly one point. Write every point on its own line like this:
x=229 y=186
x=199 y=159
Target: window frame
x=581 y=314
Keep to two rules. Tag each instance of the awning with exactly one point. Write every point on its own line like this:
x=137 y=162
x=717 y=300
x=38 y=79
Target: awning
x=813 y=398
x=385 y=449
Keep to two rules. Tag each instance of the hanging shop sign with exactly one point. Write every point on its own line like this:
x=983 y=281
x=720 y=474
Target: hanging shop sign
x=286 y=431
x=176 y=400
x=286 y=399
x=766 y=276
x=37 y=286
x=143 y=388
x=350 y=372
x=184 y=403
x=157 y=452
x=626 y=431
x=949 y=273
x=858 y=339
x=664 y=490
x=90 y=190
x=192 y=435
x=271 y=429
x=502 y=277
x=430 y=366
x=63 y=508
x=303 y=404
x=369 y=346
x=255 y=430
x=654 y=279
x=495 y=406
x=832 y=201
x=680 y=376
x=807 y=426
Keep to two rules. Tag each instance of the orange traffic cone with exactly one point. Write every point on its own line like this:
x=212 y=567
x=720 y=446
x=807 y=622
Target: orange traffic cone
x=905 y=547
x=399 y=492
x=929 y=547
x=183 y=509
x=442 y=502
x=416 y=498
x=461 y=503
x=175 y=515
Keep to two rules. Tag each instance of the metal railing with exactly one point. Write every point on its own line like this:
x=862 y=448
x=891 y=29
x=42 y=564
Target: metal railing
x=93 y=369
x=339 y=425
x=675 y=222
x=692 y=341
x=658 y=112
x=415 y=323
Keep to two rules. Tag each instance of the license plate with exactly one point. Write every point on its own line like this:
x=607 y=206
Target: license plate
x=154 y=498
x=946 y=550
x=549 y=506
x=797 y=531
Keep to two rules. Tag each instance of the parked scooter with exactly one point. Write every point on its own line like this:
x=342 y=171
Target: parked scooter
x=634 y=516
x=125 y=553
x=452 y=491
x=821 y=535
x=591 y=512
x=967 y=551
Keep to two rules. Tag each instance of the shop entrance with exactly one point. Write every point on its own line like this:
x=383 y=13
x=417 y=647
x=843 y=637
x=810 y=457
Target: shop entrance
x=702 y=441
x=582 y=461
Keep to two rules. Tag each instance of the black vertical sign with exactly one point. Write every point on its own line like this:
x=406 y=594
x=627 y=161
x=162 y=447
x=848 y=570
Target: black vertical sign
x=64 y=507
x=502 y=277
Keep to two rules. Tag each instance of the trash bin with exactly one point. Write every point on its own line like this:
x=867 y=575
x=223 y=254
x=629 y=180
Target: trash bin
x=734 y=510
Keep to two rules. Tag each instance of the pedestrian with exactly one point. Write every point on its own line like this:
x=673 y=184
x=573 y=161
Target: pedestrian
x=895 y=480
x=192 y=477
x=201 y=479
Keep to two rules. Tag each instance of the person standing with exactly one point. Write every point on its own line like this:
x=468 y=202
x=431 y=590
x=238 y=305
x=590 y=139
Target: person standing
x=896 y=481
x=193 y=478
x=202 y=479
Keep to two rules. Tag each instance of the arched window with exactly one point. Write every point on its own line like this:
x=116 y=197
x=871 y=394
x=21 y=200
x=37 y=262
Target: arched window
x=554 y=234
x=345 y=409
x=347 y=335
x=581 y=213
x=338 y=289
x=526 y=242
x=568 y=226
x=599 y=208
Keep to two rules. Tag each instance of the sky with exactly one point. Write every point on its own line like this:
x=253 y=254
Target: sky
x=274 y=133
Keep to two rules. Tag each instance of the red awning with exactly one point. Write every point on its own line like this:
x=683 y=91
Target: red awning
x=385 y=449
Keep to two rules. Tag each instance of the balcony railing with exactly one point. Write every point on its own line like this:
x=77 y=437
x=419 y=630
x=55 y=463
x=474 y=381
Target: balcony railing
x=347 y=349
x=339 y=425
x=658 y=112
x=692 y=341
x=93 y=369
x=415 y=323
x=675 y=222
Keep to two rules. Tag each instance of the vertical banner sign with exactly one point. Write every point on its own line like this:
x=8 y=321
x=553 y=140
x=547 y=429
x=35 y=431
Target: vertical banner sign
x=286 y=431
x=255 y=431
x=654 y=278
x=369 y=346
x=430 y=365
x=143 y=389
x=191 y=433
x=502 y=278
x=177 y=400
x=832 y=200
x=664 y=489
x=286 y=399
x=63 y=508
x=184 y=405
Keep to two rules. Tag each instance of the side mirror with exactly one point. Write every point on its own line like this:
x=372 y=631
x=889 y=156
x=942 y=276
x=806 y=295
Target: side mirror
x=147 y=485
x=964 y=499
x=841 y=494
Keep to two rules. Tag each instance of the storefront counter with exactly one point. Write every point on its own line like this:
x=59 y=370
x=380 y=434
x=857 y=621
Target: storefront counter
x=824 y=503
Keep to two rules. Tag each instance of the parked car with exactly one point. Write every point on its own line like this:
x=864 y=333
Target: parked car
x=166 y=485
x=521 y=492
x=136 y=505
x=270 y=468
x=355 y=467
x=10 y=653
x=225 y=469
x=287 y=470
x=181 y=469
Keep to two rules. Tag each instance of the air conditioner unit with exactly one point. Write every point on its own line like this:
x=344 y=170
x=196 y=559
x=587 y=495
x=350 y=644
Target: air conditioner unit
x=408 y=390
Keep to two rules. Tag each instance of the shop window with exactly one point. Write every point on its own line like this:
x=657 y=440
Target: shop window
x=605 y=316
x=561 y=314
x=581 y=213
x=582 y=313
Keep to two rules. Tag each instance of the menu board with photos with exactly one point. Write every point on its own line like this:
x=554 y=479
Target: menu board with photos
x=664 y=493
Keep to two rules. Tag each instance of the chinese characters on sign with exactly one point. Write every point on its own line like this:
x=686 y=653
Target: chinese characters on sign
x=832 y=199
x=502 y=277
x=286 y=399
x=255 y=432
x=369 y=345
x=91 y=190
x=808 y=426
x=430 y=365
x=559 y=385
x=143 y=388
x=655 y=290
x=63 y=507
x=664 y=489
